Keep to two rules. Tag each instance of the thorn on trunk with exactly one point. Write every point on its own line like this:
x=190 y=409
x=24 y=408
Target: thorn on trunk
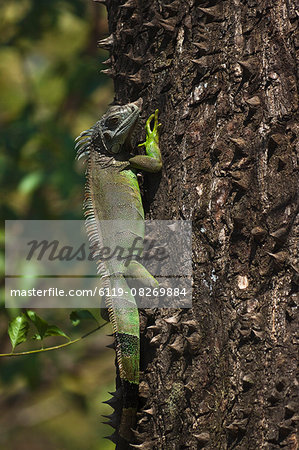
x=109 y=72
x=173 y=6
x=136 y=78
x=253 y=101
x=214 y=12
x=156 y=340
x=112 y=437
x=168 y=25
x=192 y=324
x=201 y=64
x=152 y=24
x=107 y=62
x=193 y=342
x=154 y=328
x=249 y=66
x=178 y=345
x=202 y=438
x=173 y=320
x=279 y=257
x=143 y=446
x=128 y=4
x=248 y=382
x=106 y=43
x=280 y=234
x=201 y=46
x=140 y=437
x=258 y=233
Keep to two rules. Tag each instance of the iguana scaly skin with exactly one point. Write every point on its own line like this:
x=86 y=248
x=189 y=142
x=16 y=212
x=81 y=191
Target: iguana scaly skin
x=112 y=193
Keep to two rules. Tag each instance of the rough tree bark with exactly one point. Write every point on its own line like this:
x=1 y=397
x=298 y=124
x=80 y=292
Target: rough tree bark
x=223 y=75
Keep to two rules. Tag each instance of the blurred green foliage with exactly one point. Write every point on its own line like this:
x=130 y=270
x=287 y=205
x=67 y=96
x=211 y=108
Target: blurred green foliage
x=50 y=90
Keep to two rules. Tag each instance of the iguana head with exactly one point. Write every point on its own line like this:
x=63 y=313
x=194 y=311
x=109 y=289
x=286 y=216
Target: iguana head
x=111 y=131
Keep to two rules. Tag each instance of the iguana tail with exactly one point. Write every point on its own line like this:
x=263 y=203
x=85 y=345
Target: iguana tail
x=124 y=317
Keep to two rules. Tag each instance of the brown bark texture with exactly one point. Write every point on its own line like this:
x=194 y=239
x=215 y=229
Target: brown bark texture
x=224 y=75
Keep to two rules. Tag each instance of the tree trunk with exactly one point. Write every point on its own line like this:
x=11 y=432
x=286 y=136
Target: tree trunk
x=223 y=75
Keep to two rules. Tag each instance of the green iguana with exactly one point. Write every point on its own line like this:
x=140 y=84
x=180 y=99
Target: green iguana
x=112 y=193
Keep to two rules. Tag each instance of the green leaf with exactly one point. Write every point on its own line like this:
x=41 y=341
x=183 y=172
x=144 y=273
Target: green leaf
x=55 y=331
x=43 y=328
x=18 y=330
x=81 y=314
x=31 y=182
x=40 y=324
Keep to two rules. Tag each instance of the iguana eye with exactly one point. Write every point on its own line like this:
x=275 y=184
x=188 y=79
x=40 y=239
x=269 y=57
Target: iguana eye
x=112 y=122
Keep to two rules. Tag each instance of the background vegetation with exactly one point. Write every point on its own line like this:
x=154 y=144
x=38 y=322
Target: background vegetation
x=50 y=90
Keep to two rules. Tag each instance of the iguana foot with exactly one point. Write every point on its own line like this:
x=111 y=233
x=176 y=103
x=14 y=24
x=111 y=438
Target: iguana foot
x=152 y=134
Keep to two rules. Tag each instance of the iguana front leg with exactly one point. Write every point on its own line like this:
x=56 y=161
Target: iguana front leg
x=152 y=161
